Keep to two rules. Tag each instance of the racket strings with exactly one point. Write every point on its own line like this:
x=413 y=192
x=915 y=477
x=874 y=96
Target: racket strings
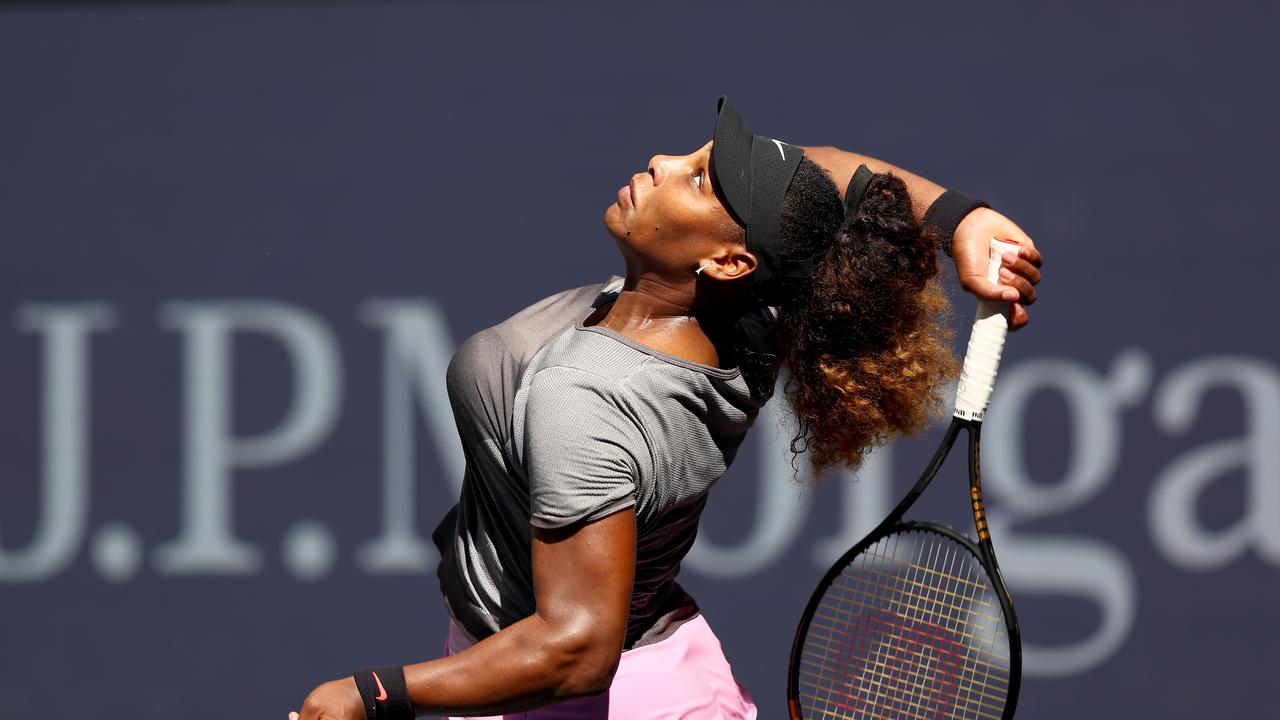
x=943 y=665
x=911 y=629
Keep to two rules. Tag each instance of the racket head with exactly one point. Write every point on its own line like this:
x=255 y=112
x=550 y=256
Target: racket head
x=908 y=624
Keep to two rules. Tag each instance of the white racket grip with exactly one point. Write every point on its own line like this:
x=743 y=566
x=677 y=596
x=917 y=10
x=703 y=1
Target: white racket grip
x=986 y=341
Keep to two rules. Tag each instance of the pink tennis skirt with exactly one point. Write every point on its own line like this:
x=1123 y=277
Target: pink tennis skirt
x=682 y=677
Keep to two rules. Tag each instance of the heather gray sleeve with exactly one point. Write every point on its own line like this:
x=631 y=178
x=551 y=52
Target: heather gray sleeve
x=581 y=447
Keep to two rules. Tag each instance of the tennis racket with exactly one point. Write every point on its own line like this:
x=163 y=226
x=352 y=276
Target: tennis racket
x=915 y=620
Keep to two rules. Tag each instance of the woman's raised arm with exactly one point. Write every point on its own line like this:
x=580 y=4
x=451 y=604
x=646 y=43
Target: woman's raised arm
x=841 y=164
x=1021 y=271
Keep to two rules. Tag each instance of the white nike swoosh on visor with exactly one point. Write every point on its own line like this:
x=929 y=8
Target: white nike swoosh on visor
x=780 y=150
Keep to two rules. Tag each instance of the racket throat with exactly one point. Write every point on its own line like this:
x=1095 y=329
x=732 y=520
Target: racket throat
x=926 y=477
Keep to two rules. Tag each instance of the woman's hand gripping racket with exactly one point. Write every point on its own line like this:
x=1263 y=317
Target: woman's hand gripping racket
x=915 y=620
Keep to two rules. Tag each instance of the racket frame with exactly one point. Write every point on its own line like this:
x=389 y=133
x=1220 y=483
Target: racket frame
x=893 y=523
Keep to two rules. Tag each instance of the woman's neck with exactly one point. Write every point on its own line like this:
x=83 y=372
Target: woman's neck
x=661 y=317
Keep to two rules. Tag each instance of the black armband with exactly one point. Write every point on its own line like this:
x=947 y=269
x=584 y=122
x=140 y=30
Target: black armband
x=946 y=213
x=384 y=692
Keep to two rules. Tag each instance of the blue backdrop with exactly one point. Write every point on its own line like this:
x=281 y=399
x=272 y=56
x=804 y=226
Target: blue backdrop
x=242 y=241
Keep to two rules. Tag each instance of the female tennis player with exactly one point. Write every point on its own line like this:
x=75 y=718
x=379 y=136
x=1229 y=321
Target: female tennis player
x=595 y=421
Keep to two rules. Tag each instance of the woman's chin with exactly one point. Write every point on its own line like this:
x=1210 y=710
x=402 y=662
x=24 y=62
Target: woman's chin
x=614 y=222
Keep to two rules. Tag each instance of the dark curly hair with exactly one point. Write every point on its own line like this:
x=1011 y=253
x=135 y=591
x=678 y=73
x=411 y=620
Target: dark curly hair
x=864 y=341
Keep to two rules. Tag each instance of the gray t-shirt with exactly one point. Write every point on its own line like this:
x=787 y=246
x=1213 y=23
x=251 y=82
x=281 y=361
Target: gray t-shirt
x=562 y=423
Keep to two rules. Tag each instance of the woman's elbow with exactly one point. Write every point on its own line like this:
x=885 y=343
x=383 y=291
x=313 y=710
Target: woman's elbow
x=592 y=678
x=588 y=661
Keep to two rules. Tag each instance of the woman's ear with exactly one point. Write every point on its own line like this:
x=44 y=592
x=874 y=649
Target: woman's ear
x=730 y=263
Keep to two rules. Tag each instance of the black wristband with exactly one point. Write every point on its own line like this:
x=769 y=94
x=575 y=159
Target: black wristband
x=946 y=213
x=384 y=692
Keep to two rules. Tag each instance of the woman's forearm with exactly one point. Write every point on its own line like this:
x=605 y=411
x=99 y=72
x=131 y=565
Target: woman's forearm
x=841 y=164
x=583 y=575
x=527 y=665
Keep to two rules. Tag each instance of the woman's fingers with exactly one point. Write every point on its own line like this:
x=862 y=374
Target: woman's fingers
x=1028 y=250
x=1026 y=291
x=1025 y=268
x=1018 y=317
x=986 y=290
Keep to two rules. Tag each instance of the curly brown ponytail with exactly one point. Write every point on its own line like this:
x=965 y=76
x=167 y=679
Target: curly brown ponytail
x=865 y=342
